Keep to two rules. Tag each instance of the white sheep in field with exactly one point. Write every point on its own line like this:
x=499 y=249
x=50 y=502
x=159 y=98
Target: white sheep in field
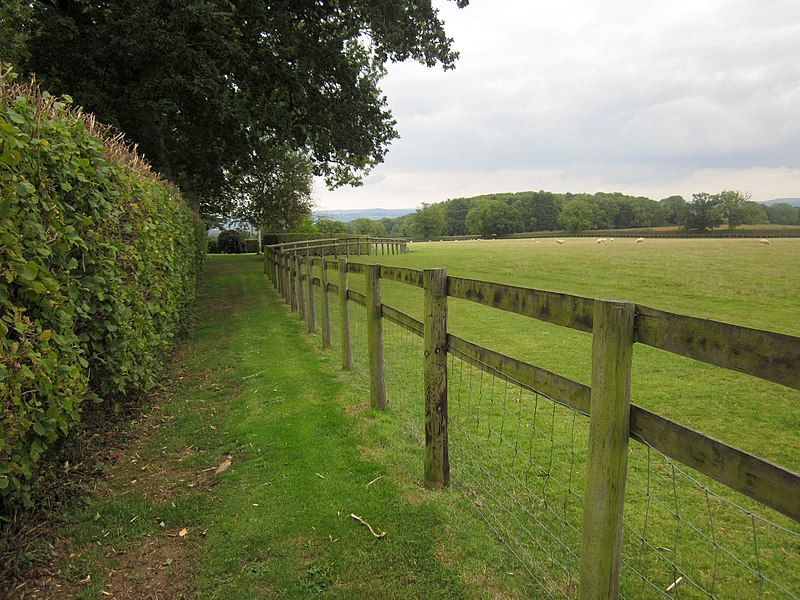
x=602 y=240
x=764 y=242
x=610 y=239
x=561 y=242
x=640 y=240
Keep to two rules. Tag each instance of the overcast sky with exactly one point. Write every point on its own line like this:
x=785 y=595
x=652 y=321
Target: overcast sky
x=646 y=98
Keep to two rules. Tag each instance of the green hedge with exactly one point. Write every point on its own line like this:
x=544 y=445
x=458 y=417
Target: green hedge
x=98 y=262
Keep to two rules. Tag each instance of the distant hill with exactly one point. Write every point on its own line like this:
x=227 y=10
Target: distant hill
x=792 y=201
x=364 y=213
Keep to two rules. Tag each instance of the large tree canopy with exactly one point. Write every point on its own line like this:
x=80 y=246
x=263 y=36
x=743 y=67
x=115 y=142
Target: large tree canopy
x=212 y=90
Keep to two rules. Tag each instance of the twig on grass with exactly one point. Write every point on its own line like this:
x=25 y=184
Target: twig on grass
x=254 y=374
x=372 y=531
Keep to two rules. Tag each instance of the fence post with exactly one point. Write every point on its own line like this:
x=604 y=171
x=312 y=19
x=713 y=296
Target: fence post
x=326 y=309
x=301 y=300
x=279 y=273
x=290 y=281
x=312 y=308
x=607 y=459
x=277 y=264
x=437 y=462
x=377 y=377
x=344 y=316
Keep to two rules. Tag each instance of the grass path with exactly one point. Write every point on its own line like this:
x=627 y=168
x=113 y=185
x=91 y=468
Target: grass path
x=248 y=468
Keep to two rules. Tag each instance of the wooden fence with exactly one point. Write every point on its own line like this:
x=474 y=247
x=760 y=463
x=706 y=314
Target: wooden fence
x=297 y=269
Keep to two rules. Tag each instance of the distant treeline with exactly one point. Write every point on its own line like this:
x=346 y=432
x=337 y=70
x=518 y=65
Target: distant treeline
x=509 y=213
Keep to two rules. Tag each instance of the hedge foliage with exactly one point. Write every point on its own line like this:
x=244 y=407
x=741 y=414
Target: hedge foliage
x=98 y=262
x=231 y=241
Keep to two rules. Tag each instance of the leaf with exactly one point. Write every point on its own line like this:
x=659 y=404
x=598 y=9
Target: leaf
x=183 y=532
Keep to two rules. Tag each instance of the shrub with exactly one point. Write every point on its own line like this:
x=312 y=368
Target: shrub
x=98 y=261
x=251 y=246
x=231 y=241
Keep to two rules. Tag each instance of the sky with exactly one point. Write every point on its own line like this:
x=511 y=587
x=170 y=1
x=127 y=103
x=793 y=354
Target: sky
x=646 y=98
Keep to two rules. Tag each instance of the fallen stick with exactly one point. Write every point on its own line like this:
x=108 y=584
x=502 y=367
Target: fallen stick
x=254 y=374
x=363 y=522
x=675 y=584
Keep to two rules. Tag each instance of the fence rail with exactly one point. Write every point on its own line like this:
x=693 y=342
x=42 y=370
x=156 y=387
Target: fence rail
x=613 y=419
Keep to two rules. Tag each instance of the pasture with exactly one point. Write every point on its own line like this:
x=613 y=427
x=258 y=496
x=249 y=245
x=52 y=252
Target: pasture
x=519 y=457
x=736 y=281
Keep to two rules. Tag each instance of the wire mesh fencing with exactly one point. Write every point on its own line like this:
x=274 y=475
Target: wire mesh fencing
x=517 y=457
x=403 y=350
x=687 y=536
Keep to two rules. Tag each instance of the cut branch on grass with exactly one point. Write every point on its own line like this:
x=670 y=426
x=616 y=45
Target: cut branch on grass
x=372 y=531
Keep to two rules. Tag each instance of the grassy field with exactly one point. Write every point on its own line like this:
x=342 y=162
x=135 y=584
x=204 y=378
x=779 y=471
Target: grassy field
x=736 y=281
x=676 y=523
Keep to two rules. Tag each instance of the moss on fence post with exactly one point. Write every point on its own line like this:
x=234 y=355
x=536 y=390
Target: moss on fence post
x=326 y=309
x=377 y=376
x=607 y=460
x=312 y=309
x=344 y=316
x=301 y=296
x=437 y=462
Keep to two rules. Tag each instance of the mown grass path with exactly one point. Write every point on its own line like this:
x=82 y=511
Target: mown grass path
x=248 y=468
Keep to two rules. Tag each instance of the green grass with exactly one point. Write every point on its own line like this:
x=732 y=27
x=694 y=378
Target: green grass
x=686 y=527
x=736 y=281
x=305 y=453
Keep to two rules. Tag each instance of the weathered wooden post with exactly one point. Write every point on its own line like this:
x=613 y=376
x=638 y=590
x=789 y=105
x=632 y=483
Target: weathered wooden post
x=286 y=274
x=279 y=271
x=344 y=317
x=312 y=308
x=607 y=459
x=377 y=376
x=290 y=279
x=301 y=302
x=437 y=462
x=326 y=309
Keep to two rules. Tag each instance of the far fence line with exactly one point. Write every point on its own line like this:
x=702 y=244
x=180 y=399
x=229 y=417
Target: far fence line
x=345 y=246
x=297 y=269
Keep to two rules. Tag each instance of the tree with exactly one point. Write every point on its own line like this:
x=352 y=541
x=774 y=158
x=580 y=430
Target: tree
x=674 y=210
x=231 y=241
x=331 y=227
x=703 y=212
x=428 y=222
x=455 y=215
x=733 y=207
x=15 y=16
x=525 y=205
x=493 y=217
x=209 y=88
x=783 y=213
x=576 y=215
x=546 y=208
x=755 y=213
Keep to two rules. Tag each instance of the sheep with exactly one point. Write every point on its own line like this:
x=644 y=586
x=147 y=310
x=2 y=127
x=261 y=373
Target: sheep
x=561 y=242
x=764 y=242
x=640 y=240
x=610 y=239
x=602 y=240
